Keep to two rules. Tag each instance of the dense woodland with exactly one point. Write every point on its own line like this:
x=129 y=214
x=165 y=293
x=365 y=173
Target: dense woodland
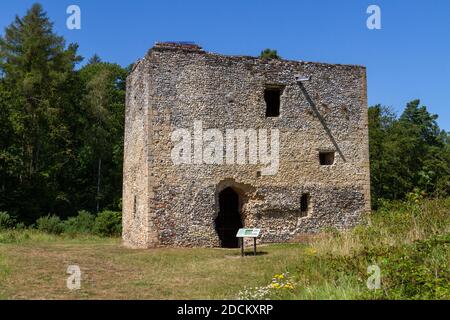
x=61 y=134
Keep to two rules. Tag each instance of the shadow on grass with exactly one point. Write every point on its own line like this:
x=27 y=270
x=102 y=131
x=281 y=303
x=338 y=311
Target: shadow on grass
x=251 y=254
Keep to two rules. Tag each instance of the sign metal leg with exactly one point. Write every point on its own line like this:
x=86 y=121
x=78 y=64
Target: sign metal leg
x=249 y=233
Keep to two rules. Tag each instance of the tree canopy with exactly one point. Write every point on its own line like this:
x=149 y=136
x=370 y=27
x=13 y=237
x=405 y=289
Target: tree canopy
x=269 y=54
x=407 y=153
x=61 y=136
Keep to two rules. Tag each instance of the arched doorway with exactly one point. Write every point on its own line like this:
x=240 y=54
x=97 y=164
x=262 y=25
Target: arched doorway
x=229 y=219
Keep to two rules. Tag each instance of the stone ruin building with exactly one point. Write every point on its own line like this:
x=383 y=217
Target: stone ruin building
x=319 y=111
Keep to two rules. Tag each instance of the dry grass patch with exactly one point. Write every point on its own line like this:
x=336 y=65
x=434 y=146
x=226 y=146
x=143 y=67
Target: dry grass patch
x=110 y=271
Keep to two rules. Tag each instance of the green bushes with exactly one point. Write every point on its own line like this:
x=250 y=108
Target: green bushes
x=83 y=223
x=107 y=223
x=50 y=224
x=413 y=271
x=409 y=241
x=420 y=271
x=6 y=221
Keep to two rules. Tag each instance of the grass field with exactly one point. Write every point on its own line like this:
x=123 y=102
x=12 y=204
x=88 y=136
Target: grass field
x=410 y=243
x=37 y=270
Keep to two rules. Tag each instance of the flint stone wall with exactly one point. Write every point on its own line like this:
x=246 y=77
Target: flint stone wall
x=176 y=205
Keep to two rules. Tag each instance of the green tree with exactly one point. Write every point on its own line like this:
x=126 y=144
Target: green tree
x=407 y=154
x=102 y=151
x=269 y=54
x=37 y=75
x=426 y=148
x=381 y=120
x=95 y=59
x=62 y=129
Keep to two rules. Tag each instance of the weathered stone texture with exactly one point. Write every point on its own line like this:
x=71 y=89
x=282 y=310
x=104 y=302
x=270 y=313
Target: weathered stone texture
x=176 y=205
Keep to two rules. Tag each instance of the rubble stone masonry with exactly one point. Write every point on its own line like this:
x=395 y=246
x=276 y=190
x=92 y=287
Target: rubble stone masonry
x=176 y=205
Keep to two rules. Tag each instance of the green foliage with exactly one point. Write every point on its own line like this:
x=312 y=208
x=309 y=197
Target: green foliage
x=408 y=240
x=417 y=271
x=50 y=224
x=13 y=236
x=20 y=226
x=108 y=223
x=409 y=154
x=6 y=221
x=269 y=54
x=61 y=137
x=83 y=223
x=102 y=148
x=31 y=235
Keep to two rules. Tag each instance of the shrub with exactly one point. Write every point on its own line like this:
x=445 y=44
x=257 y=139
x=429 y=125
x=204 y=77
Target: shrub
x=83 y=223
x=408 y=240
x=6 y=221
x=108 y=223
x=415 y=271
x=20 y=226
x=269 y=54
x=50 y=224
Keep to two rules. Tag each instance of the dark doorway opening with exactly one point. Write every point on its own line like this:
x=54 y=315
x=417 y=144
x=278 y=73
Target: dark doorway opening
x=228 y=220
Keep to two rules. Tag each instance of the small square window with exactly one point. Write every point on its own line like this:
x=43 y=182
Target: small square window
x=326 y=158
x=272 y=98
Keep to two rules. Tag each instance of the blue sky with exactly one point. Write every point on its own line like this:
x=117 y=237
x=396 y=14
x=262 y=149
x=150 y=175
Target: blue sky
x=408 y=58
